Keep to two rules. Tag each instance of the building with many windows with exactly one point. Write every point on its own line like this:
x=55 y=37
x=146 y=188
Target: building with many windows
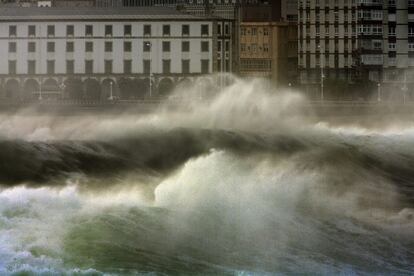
x=357 y=40
x=105 y=51
x=263 y=50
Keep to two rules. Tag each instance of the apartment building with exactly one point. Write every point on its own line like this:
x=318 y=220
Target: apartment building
x=355 y=40
x=105 y=49
x=263 y=50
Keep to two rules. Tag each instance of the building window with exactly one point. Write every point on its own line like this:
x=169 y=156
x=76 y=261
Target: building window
x=70 y=30
x=147 y=66
x=226 y=29
x=127 y=30
x=166 y=30
x=70 y=66
x=31 y=67
x=205 y=66
x=50 y=67
x=50 y=47
x=108 y=46
x=205 y=46
x=31 y=30
x=108 y=30
x=50 y=30
x=147 y=46
x=88 y=30
x=219 y=30
x=89 y=46
x=166 y=46
x=128 y=46
x=13 y=30
x=31 y=47
x=108 y=66
x=227 y=46
x=166 y=66
x=147 y=30
x=185 y=66
x=70 y=47
x=127 y=66
x=185 y=46
x=12 y=67
x=185 y=30
x=89 y=66
x=12 y=47
x=204 y=29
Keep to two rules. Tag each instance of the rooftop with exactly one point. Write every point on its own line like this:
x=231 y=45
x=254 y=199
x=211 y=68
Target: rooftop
x=141 y=13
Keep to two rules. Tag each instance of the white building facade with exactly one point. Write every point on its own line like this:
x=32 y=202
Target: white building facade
x=44 y=50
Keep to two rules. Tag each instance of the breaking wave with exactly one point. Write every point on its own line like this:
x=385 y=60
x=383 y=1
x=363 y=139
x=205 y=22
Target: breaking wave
x=243 y=184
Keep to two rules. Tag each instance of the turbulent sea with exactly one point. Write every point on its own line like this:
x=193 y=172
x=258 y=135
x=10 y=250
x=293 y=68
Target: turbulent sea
x=247 y=183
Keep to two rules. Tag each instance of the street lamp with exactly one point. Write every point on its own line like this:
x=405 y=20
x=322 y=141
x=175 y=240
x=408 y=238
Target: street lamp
x=111 y=95
x=149 y=44
x=40 y=90
x=322 y=75
x=379 y=92
x=62 y=89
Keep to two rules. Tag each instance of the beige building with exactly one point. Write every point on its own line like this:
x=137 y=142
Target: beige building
x=263 y=50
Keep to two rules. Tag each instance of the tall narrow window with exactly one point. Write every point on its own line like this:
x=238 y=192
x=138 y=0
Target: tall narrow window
x=108 y=46
x=70 y=66
x=50 y=30
x=128 y=46
x=89 y=46
x=147 y=66
x=12 y=67
x=166 y=46
x=204 y=46
x=50 y=67
x=12 y=47
x=31 y=67
x=166 y=30
x=31 y=30
x=127 y=30
x=205 y=66
x=166 y=66
x=50 y=47
x=185 y=66
x=204 y=29
x=12 y=30
x=185 y=46
x=108 y=30
x=147 y=30
x=185 y=30
x=70 y=47
x=108 y=66
x=88 y=30
x=127 y=66
x=70 y=30
x=31 y=47
x=89 y=66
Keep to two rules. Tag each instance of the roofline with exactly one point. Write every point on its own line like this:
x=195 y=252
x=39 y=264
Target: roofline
x=98 y=14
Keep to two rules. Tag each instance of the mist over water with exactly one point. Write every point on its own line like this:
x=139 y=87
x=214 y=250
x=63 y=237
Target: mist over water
x=248 y=182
